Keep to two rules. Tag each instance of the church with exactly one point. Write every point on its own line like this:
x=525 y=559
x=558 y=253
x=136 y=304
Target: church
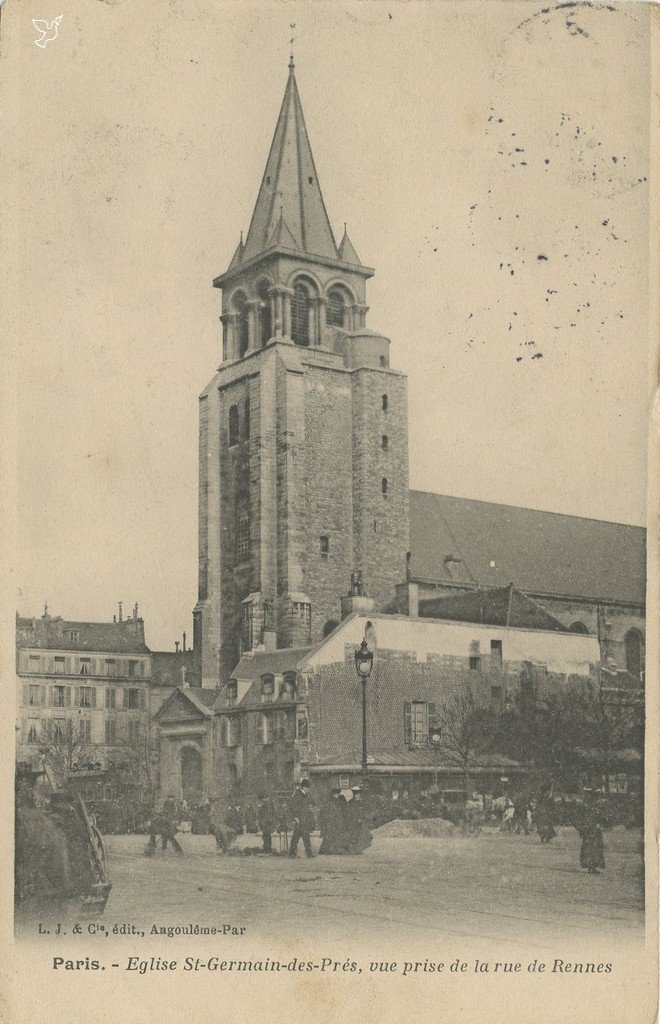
x=308 y=530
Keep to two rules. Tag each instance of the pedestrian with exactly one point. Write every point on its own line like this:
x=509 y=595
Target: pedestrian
x=520 y=822
x=303 y=819
x=234 y=819
x=545 y=816
x=267 y=821
x=333 y=824
x=165 y=825
x=223 y=835
x=359 y=836
x=592 y=850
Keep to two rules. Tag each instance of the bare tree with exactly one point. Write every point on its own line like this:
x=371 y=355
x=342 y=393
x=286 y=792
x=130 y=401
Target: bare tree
x=66 y=748
x=466 y=733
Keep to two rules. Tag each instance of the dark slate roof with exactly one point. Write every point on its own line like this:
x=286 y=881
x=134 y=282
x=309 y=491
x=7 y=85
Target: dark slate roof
x=290 y=190
x=269 y=662
x=200 y=694
x=126 y=637
x=540 y=552
x=501 y=606
x=166 y=668
x=419 y=757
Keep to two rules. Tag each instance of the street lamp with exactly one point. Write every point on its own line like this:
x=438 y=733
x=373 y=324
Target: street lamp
x=364 y=660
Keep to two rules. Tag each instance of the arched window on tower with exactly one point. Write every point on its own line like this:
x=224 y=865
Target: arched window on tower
x=634 y=642
x=265 y=319
x=241 y=307
x=300 y=315
x=336 y=308
x=242 y=528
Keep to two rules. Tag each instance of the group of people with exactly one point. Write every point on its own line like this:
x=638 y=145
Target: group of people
x=520 y=816
x=343 y=824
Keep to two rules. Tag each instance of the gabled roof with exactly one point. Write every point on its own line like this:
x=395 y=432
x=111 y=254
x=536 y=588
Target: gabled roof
x=54 y=634
x=253 y=666
x=501 y=606
x=541 y=552
x=290 y=187
x=202 y=700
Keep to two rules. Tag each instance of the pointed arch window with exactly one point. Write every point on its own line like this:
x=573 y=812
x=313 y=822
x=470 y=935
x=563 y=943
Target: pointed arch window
x=335 y=311
x=300 y=307
x=634 y=642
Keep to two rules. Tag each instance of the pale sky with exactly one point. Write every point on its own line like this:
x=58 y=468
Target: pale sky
x=491 y=161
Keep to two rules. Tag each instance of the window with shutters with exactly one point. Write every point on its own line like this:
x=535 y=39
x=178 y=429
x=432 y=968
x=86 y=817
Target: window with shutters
x=85 y=730
x=230 y=731
x=73 y=635
x=33 y=730
x=110 y=730
x=35 y=694
x=85 y=666
x=416 y=720
x=110 y=697
x=34 y=663
x=264 y=730
x=59 y=696
x=133 y=668
x=59 y=665
x=87 y=697
x=59 y=730
x=110 y=667
x=267 y=689
x=324 y=546
x=496 y=652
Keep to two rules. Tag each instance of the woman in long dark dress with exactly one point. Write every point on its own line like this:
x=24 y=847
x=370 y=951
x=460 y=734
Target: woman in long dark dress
x=545 y=813
x=592 y=851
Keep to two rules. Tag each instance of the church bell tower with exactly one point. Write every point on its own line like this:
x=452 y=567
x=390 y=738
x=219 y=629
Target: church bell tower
x=303 y=436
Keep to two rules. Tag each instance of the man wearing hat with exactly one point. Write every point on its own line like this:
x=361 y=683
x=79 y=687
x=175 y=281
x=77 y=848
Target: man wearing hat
x=303 y=819
x=359 y=836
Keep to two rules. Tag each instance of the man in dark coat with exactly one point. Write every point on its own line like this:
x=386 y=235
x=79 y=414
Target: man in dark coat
x=303 y=819
x=267 y=821
x=165 y=825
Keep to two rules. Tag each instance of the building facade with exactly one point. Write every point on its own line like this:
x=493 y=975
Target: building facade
x=297 y=711
x=83 y=689
x=303 y=462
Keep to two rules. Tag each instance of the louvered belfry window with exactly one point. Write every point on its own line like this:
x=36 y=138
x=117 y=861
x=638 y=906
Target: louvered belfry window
x=334 y=316
x=300 y=315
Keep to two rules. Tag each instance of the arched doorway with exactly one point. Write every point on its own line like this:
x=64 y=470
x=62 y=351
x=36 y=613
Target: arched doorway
x=191 y=774
x=634 y=653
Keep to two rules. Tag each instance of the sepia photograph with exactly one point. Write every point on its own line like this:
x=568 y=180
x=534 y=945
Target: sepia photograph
x=333 y=355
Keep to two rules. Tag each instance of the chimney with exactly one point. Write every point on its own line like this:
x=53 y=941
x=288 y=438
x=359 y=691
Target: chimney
x=356 y=600
x=176 y=646
x=120 y=612
x=184 y=684
x=184 y=642
x=114 y=618
x=135 y=610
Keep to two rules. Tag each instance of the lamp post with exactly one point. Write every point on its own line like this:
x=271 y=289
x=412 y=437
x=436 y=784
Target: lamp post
x=364 y=659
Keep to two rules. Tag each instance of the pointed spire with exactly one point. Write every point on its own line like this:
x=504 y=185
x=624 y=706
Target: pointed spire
x=237 y=258
x=346 y=251
x=290 y=187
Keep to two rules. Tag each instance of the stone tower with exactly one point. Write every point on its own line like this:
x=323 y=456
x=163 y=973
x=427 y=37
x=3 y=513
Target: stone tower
x=303 y=437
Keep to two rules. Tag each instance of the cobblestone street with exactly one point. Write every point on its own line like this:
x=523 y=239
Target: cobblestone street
x=491 y=886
